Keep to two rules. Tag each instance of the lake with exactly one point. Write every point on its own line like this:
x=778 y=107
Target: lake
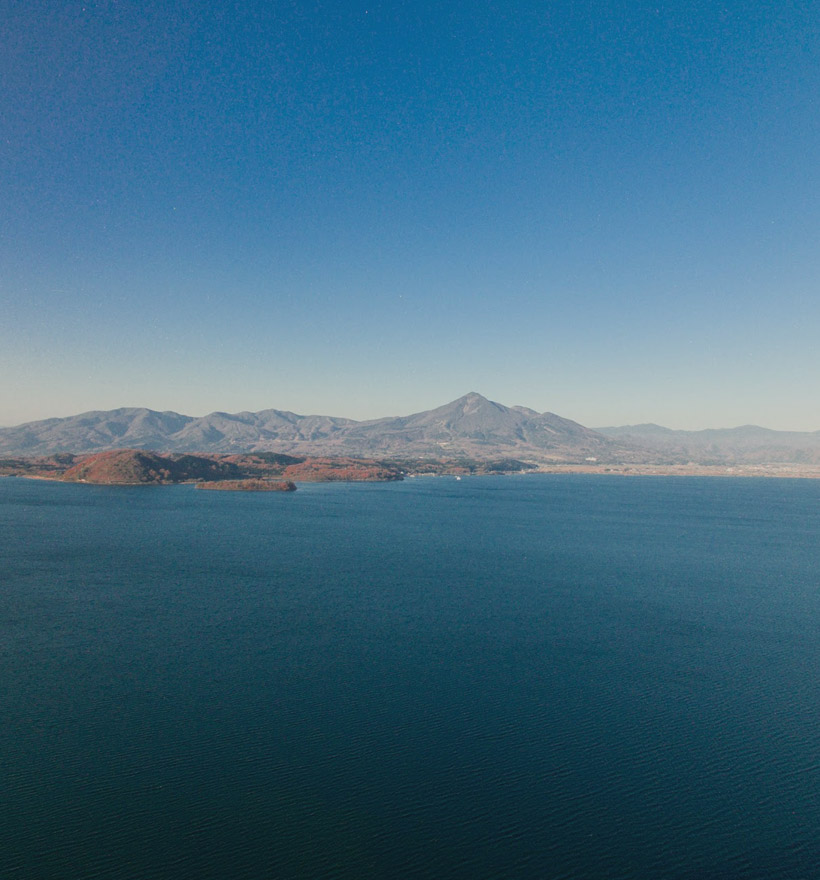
x=540 y=676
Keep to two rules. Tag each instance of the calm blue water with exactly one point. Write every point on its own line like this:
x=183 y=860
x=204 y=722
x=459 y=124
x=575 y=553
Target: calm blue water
x=520 y=677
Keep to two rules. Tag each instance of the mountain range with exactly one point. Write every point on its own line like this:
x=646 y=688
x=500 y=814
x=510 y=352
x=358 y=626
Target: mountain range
x=747 y=444
x=471 y=426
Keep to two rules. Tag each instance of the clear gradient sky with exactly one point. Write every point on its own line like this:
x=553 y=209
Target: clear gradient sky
x=609 y=210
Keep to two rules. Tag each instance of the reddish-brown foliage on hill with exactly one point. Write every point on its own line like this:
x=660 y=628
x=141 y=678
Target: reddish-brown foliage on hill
x=136 y=466
x=320 y=470
x=249 y=486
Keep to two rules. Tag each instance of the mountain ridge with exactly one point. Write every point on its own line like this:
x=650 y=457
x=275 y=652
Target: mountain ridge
x=744 y=443
x=470 y=426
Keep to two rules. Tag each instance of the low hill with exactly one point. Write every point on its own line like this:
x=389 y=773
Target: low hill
x=143 y=467
x=248 y=486
x=135 y=466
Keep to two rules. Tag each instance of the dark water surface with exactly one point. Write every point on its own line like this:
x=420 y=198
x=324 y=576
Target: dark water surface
x=522 y=677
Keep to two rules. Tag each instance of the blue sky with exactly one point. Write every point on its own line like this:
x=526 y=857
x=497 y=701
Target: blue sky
x=605 y=210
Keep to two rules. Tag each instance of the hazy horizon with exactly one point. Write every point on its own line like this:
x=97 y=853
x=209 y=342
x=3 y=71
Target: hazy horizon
x=609 y=212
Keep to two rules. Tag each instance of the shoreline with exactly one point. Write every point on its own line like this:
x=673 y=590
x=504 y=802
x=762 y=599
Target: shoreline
x=769 y=471
x=786 y=471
